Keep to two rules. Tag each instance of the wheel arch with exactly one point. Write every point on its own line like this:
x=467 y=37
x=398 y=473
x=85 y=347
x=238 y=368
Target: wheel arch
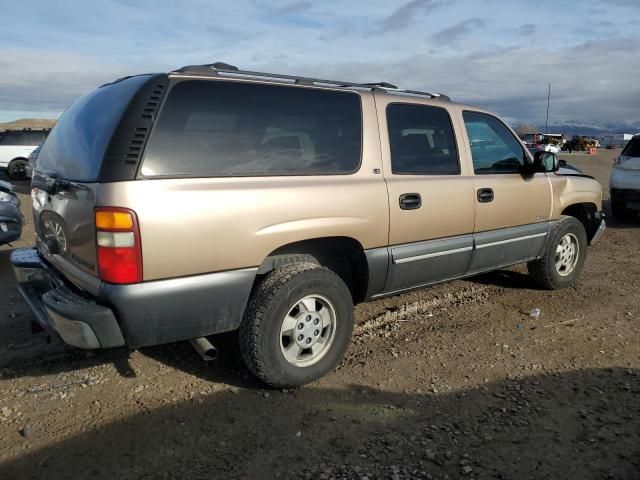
x=343 y=255
x=585 y=213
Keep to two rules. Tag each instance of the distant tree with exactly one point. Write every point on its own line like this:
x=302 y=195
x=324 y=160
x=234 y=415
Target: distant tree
x=525 y=128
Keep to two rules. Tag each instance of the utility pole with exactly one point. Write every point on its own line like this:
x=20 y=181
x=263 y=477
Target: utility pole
x=546 y=123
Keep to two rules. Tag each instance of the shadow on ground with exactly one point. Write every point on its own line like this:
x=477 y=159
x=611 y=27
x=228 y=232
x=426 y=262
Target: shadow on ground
x=575 y=425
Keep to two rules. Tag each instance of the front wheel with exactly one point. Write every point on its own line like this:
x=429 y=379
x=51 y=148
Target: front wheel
x=297 y=325
x=565 y=254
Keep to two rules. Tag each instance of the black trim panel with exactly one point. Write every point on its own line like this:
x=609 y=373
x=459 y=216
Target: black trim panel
x=165 y=311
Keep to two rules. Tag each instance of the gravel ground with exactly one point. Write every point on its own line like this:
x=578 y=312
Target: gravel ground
x=454 y=381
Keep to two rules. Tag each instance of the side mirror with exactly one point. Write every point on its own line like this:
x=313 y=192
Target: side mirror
x=545 y=162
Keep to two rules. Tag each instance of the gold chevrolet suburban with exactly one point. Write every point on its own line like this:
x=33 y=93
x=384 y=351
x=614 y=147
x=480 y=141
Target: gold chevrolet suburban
x=210 y=199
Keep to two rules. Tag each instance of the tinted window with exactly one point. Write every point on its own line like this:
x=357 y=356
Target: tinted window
x=633 y=148
x=11 y=138
x=421 y=140
x=75 y=147
x=35 y=138
x=213 y=128
x=493 y=147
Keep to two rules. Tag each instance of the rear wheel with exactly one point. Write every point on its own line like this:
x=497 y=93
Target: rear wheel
x=564 y=257
x=297 y=325
x=17 y=169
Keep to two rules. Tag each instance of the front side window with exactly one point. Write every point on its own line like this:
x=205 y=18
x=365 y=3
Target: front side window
x=217 y=128
x=494 y=149
x=421 y=140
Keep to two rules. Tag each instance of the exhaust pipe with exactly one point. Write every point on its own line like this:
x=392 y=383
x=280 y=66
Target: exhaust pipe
x=204 y=348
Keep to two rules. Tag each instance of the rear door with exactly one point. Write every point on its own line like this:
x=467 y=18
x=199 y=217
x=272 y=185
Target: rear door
x=431 y=205
x=511 y=208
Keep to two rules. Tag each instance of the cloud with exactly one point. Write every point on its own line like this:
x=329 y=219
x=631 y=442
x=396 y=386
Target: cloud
x=293 y=8
x=454 y=33
x=527 y=30
x=402 y=16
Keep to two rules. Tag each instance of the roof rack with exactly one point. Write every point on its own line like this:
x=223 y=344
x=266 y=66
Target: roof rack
x=224 y=69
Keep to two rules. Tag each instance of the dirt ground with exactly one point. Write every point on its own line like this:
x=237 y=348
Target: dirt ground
x=453 y=381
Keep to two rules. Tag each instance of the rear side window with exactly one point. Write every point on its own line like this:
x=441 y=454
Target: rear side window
x=632 y=149
x=75 y=148
x=35 y=138
x=422 y=140
x=493 y=147
x=215 y=128
x=11 y=138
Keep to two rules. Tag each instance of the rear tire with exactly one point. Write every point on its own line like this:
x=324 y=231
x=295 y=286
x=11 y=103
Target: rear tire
x=620 y=211
x=297 y=325
x=565 y=254
x=17 y=169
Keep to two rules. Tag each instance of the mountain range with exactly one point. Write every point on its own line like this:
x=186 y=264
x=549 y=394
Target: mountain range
x=576 y=127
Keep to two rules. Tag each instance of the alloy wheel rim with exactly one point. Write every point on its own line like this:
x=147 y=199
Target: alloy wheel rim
x=308 y=330
x=566 y=256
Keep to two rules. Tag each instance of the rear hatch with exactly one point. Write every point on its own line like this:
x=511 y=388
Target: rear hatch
x=98 y=139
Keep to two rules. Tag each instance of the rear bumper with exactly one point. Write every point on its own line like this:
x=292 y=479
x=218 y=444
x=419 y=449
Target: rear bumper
x=630 y=196
x=137 y=315
x=60 y=309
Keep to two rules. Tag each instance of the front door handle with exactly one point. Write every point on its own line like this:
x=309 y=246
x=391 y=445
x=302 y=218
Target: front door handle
x=410 y=201
x=485 y=195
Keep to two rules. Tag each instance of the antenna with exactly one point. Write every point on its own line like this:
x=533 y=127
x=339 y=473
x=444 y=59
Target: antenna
x=546 y=123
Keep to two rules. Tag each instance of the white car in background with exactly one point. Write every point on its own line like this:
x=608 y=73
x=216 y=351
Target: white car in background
x=624 y=186
x=549 y=147
x=15 y=147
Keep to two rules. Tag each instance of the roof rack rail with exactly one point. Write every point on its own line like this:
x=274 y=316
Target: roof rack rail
x=230 y=70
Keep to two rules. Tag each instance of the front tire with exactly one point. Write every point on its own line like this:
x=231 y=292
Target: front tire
x=565 y=254
x=297 y=325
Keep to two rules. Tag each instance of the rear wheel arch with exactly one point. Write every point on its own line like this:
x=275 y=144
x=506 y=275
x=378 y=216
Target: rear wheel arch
x=343 y=255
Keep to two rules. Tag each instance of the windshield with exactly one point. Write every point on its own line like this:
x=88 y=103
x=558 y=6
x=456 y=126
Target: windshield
x=632 y=149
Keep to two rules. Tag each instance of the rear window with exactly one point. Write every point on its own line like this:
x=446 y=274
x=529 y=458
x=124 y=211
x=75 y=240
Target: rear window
x=632 y=149
x=216 y=128
x=422 y=141
x=76 y=146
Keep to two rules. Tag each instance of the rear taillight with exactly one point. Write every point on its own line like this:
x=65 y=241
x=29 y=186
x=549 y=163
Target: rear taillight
x=118 y=245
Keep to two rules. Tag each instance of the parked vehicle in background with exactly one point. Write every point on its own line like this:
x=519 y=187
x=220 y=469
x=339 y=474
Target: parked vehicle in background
x=624 y=186
x=15 y=147
x=10 y=217
x=208 y=200
x=31 y=161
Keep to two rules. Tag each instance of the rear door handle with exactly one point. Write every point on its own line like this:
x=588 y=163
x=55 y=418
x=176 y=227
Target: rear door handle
x=485 y=195
x=410 y=201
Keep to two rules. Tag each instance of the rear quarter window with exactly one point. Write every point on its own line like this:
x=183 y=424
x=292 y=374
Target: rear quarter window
x=76 y=146
x=217 y=128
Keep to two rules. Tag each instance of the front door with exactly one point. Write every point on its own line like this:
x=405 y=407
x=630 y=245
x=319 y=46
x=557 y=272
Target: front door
x=431 y=198
x=512 y=208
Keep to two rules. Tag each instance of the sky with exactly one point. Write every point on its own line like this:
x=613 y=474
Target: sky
x=499 y=54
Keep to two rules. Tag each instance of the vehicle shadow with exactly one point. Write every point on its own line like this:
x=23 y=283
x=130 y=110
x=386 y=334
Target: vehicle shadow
x=579 y=424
